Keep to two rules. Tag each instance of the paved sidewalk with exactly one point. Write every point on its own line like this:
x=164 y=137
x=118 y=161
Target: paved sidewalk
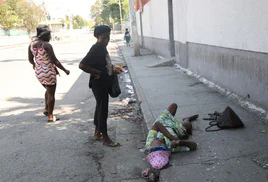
x=226 y=155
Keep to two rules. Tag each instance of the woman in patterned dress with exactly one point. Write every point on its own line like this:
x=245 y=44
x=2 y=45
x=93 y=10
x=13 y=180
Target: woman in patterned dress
x=44 y=61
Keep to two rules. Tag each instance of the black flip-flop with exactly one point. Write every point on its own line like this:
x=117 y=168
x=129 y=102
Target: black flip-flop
x=45 y=113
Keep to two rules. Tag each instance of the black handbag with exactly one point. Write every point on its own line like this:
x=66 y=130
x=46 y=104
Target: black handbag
x=225 y=120
x=115 y=90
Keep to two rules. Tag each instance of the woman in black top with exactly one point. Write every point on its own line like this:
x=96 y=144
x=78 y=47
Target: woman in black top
x=98 y=63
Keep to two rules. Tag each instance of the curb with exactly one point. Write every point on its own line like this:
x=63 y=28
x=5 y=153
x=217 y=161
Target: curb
x=148 y=117
x=145 y=108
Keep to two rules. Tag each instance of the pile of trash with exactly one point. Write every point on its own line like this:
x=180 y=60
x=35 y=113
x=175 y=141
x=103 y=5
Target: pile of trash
x=130 y=108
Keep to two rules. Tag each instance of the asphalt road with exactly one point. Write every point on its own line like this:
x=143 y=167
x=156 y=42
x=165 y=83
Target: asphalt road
x=33 y=150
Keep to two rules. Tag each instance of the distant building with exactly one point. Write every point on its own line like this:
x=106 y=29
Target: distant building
x=56 y=27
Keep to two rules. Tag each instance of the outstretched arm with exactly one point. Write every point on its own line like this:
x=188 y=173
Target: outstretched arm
x=53 y=58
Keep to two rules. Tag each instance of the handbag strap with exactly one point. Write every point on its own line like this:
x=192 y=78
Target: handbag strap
x=212 y=124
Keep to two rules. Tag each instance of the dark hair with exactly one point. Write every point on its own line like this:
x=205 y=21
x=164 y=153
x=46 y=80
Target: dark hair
x=101 y=29
x=43 y=32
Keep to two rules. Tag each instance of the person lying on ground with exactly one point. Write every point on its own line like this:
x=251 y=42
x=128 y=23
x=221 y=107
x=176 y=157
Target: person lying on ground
x=176 y=129
x=159 y=150
x=164 y=138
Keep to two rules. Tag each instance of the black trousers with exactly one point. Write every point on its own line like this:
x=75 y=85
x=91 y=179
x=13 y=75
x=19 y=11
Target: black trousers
x=101 y=94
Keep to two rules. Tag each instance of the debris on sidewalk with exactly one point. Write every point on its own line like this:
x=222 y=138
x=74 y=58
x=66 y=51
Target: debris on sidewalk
x=261 y=160
x=129 y=109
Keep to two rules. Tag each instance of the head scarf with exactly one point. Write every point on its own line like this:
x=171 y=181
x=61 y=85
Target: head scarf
x=101 y=29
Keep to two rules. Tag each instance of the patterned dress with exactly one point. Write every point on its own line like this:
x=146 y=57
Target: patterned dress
x=45 y=70
x=174 y=127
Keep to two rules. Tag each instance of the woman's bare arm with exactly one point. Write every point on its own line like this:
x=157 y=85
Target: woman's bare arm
x=31 y=57
x=89 y=69
x=53 y=58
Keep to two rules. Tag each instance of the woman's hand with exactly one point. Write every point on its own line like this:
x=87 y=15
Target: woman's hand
x=67 y=72
x=98 y=75
x=118 y=69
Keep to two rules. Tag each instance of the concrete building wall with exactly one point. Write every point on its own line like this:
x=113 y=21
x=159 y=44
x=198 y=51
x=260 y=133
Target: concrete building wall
x=240 y=24
x=180 y=8
x=155 y=26
x=227 y=43
x=222 y=40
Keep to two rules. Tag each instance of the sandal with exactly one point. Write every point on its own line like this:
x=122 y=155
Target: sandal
x=54 y=119
x=93 y=139
x=111 y=144
x=45 y=113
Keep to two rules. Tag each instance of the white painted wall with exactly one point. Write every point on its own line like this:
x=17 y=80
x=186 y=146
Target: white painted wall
x=159 y=19
x=239 y=24
x=155 y=19
x=180 y=20
x=146 y=20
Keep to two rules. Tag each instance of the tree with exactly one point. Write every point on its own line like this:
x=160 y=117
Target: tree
x=103 y=10
x=30 y=14
x=8 y=16
x=66 y=21
x=21 y=14
x=96 y=10
x=91 y=24
x=79 y=22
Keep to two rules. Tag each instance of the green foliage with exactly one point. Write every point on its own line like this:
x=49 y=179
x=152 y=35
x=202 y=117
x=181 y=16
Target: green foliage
x=8 y=16
x=31 y=14
x=66 y=22
x=20 y=14
x=103 y=11
x=78 y=22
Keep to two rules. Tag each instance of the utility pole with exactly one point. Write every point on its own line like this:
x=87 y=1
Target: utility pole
x=120 y=10
x=134 y=28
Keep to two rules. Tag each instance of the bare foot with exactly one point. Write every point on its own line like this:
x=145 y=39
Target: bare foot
x=149 y=174
x=97 y=134
x=176 y=143
x=111 y=144
x=191 y=118
x=108 y=142
x=53 y=118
